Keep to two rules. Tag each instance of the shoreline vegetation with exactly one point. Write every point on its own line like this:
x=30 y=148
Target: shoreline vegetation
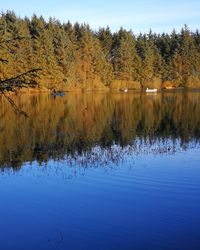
x=38 y=90
x=75 y=58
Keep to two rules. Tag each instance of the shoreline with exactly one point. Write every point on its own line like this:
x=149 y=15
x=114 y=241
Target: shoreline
x=104 y=90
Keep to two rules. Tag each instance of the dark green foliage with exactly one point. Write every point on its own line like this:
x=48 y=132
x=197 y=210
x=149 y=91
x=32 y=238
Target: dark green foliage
x=75 y=55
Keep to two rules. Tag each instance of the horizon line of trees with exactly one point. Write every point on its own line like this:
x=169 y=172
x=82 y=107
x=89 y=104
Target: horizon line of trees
x=75 y=55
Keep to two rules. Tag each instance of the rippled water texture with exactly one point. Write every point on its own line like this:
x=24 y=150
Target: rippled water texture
x=100 y=171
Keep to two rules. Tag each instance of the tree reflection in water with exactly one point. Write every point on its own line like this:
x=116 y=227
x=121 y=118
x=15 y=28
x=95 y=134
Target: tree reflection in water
x=94 y=130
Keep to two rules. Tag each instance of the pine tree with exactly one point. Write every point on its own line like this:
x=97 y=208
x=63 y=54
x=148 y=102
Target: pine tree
x=125 y=58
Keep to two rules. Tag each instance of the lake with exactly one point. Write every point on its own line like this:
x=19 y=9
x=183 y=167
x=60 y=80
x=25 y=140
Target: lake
x=100 y=171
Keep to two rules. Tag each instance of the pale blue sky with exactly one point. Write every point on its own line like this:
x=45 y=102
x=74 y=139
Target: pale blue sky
x=138 y=15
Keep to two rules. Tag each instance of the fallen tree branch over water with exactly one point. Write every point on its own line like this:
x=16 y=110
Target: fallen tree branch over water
x=26 y=79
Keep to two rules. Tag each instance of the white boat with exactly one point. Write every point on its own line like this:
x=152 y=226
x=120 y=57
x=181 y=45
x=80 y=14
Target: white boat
x=151 y=90
x=124 y=90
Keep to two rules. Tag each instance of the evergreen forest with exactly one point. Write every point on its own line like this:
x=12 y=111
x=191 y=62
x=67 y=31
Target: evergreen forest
x=74 y=55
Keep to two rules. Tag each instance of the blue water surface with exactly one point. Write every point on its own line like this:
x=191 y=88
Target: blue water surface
x=100 y=171
x=146 y=201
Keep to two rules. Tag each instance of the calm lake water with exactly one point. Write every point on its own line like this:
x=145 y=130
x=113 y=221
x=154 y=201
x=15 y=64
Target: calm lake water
x=100 y=171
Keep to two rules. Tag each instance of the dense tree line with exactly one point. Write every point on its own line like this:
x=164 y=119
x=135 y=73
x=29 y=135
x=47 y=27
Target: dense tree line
x=75 y=55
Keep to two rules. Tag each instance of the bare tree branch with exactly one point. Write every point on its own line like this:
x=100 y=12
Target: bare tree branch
x=25 y=79
x=17 y=82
